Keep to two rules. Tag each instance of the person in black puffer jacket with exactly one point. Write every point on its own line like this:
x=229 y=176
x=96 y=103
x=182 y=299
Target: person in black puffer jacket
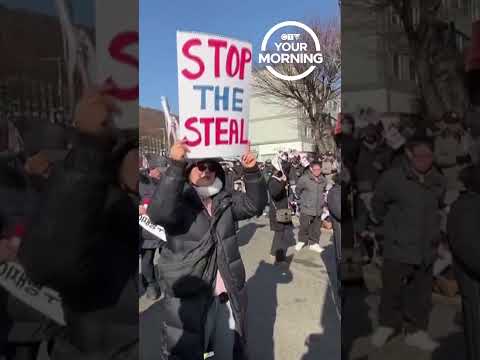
x=463 y=228
x=83 y=240
x=150 y=243
x=200 y=266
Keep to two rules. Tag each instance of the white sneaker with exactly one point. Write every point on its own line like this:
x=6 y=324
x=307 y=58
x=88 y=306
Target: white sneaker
x=316 y=247
x=381 y=335
x=421 y=340
x=299 y=246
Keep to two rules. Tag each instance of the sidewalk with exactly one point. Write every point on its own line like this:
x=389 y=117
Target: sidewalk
x=292 y=313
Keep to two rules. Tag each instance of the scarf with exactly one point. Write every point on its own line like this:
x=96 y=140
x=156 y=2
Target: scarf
x=209 y=191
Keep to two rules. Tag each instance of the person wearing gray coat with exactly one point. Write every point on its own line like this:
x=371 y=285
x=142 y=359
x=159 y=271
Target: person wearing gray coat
x=311 y=190
x=407 y=200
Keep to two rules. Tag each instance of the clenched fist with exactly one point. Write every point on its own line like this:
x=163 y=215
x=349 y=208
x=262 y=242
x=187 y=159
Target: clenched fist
x=93 y=111
x=249 y=160
x=179 y=151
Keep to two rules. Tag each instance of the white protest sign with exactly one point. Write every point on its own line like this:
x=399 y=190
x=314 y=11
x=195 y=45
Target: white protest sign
x=157 y=230
x=44 y=300
x=117 y=55
x=214 y=75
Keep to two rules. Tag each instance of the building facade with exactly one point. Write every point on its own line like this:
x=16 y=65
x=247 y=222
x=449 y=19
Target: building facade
x=378 y=46
x=152 y=131
x=274 y=127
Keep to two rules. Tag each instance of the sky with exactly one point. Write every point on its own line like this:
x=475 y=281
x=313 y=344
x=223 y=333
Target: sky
x=247 y=20
x=83 y=11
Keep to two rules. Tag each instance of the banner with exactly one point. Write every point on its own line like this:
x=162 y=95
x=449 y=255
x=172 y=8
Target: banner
x=214 y=75
x=117 y=56
x=157 y=230
x=44 y=300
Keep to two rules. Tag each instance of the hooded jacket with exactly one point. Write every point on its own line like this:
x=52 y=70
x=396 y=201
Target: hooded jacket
x=197 y=246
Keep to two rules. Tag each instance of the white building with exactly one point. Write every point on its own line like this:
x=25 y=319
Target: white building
x=274 y=127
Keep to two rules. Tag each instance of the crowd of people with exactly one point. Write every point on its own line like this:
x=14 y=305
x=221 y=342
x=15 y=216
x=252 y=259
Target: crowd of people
x=405 y=186
x=199 y=259
x=69 y=219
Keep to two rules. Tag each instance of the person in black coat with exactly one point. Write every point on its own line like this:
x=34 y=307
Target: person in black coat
x=283 y=232
x=463 y=228
x=83 y=239
x=150 y=243
x=200 y=265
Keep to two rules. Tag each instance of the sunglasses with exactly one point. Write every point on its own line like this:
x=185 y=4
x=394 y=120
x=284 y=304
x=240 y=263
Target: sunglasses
x=202 y=166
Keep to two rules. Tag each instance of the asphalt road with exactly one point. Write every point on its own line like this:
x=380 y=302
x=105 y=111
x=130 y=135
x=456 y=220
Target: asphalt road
x=292 y=309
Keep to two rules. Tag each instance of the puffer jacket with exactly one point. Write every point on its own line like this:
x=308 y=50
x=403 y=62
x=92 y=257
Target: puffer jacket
x=463 y=228
x=82 y=242
x=410 y=213
x=311 y=193
x=197 y=246
x=334 y=202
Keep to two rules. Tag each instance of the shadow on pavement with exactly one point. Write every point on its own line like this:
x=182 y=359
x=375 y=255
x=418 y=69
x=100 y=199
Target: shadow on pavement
x=326 y=345
x=262 y=307
x=247 y=232
x=355 y=312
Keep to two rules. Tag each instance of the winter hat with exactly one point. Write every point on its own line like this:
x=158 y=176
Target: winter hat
x=191 y=163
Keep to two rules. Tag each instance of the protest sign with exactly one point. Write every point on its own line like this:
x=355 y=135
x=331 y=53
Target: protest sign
x=214 y=76
x=117 y=56
x=46 y=301
x=157 y=230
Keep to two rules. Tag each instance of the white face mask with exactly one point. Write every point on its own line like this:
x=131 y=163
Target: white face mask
x=205 y=192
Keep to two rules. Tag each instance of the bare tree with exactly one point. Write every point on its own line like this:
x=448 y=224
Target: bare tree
x=439 y=64
x=310 y=94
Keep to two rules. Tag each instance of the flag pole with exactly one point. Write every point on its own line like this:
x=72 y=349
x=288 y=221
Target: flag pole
x=168 y=121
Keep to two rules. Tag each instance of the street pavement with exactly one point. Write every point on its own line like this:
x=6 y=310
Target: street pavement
x=292 y=311
x=360 y=314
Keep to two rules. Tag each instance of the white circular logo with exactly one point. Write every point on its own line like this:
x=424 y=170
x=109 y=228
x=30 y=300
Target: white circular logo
x=291 y=50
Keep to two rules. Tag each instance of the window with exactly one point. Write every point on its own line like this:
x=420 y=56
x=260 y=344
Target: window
x=396 y=66
x=308 y=132
x=413 y=73
x=416 y=14
x=404 y=68
x=394 y=18
x=475 y=5
x=460 y=41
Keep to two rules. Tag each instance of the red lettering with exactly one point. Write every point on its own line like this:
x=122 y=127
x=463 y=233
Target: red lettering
x=207 y=122
x=233 y=52
x=219 y=131
x=186 y=52
x=217 y=44
x=245 y=58
x=116 y=50
x=189 y=125
x=233 y=131
x=243 y=139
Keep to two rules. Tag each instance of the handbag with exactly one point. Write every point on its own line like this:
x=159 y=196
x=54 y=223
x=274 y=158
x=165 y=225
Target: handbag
x=282 y=216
